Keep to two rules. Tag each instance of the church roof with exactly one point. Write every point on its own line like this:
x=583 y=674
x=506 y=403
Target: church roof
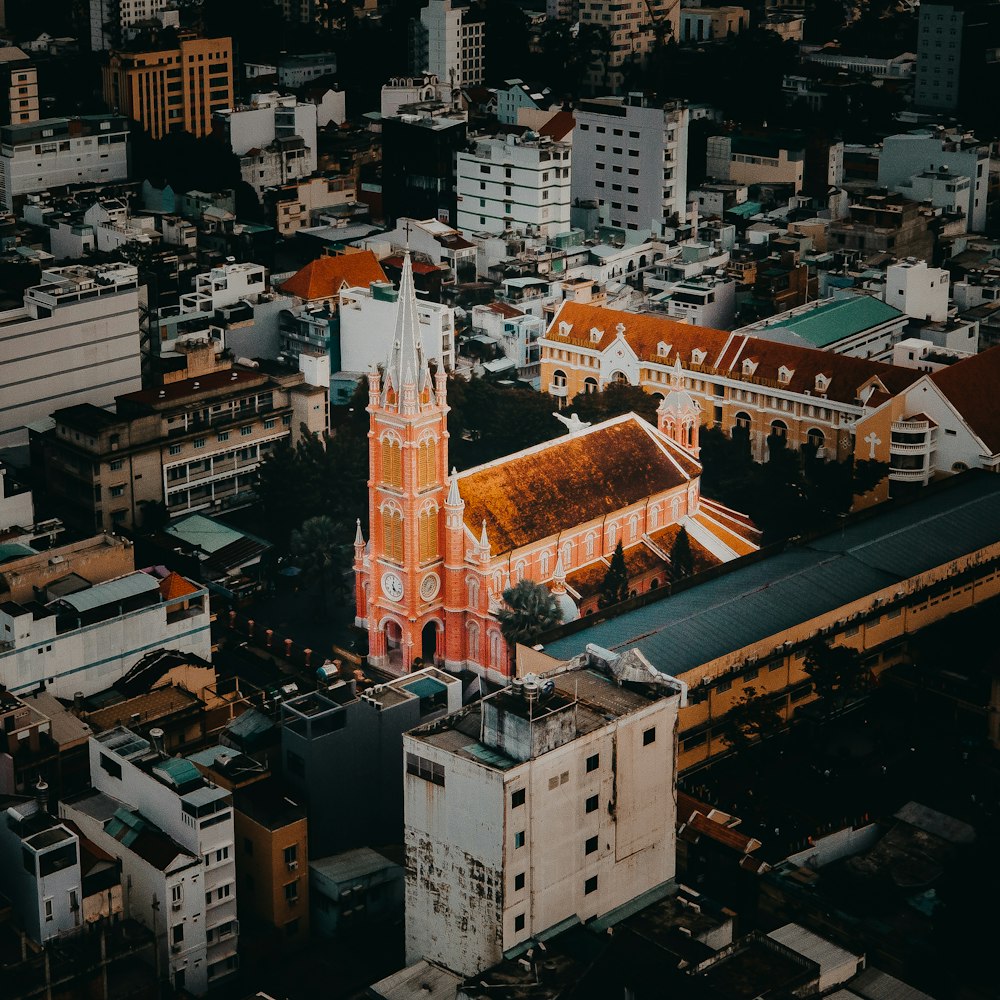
x=726 y=352
x=325 y=276
x=971 y=387
x=570 y=480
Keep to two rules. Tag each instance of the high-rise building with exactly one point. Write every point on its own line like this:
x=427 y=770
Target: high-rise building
x=113 y=22
x=451 y=44
x=549 y=801
x=630 y=156
x=19 y=82
x=172 y=90
x=512 y=184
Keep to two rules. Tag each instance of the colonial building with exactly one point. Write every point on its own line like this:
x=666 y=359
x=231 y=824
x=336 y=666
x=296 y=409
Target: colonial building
x=443 y=548
x=768 y=388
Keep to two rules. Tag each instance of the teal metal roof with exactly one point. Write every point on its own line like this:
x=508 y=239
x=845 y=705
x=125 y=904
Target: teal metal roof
x=747 y=210
x=102 y=594
x=178 y=771
x=751 y=603
x=831 y=321
x=425 y=687
x=125 y=826
x=208 y=535
x=14 y=550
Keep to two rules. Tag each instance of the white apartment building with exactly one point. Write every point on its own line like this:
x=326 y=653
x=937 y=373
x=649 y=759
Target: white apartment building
x=268 y=125
x=115 y=21
x=87 y=640
x=39 y=869
x=173 y=832
x=912 y=153
x=17 y=509
x=918 y=290
x=55 y=152
x=368 y=323
x=552 y=799
x=75 y=340
x=452 y=44
x=514 y=184
x=403 y=90
x=631 y=158
x=18 y=87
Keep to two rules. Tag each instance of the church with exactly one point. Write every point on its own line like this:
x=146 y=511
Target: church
x=444 y=546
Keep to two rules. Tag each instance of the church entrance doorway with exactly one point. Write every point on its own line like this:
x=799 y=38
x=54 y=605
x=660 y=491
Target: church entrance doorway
x=394 y=643
x=428 y=643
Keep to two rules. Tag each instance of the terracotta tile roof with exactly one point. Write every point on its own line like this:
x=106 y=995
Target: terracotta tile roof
x=724 y=835
x=502 y=309
x=174 y=586
x=558 y=126
x=740 y=536
x=325 y=276
x=570 y=480
x=726 y=352
x=971 y=386
x=664 y=540
x=586 y=582
x=640 y=559
x=419 y=266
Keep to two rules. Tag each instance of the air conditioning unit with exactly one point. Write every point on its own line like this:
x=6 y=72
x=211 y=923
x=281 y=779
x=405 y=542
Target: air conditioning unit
x=293 y=865
x=175 y=904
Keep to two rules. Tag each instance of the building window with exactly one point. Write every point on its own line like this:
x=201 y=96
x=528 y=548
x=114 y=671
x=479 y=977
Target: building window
x=112 y=767
x=176 y=893
x=590 y=885
x=177 y=934
x=392 y=464
x=291 y=854
x=519 y=839
x=117 y=491
x=426 y=769
x=593 y=762
x=392 y=534
x=517 y=798
x=246 y=431
x=590 y=846
x=269 y=424
x=427 y=525
x=116 y=464
x=48 y=910
x=519 y=922
x=519 y=881
x=199 y=442
x=292 y=892
x=223 y=436
x=175 y=449
x=649 y=736
x=592 y=804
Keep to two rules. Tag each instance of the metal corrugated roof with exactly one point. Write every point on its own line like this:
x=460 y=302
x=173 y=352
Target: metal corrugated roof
x=208 y=535
x=829 y=322
x=351 y=865
x=754 y=602
x=824 y=953
x=122 y=589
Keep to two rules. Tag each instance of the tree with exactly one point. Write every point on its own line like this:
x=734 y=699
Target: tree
x=321 y=549
x=836 y=672
x=614 y=587
x=530 y=610
x=681 y=557
x=754 y=716
x=617 y=398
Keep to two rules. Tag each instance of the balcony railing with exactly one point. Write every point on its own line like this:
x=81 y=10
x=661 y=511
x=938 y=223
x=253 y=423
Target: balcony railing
x=558 y=389
x=897 y=448
x=910 y=426
x=909 y=475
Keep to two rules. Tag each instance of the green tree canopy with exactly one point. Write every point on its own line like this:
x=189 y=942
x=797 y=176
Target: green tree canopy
x=754 y=716
x=614 y=587
x=681 y=557
x=836 y=672
x=617 y=398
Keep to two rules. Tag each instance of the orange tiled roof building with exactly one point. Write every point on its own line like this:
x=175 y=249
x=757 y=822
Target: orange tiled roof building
x=444 y=547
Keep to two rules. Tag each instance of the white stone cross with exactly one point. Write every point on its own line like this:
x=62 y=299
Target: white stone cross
x=872 y=439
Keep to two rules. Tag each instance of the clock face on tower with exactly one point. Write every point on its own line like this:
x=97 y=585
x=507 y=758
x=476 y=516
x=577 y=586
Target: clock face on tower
x=429 y=586
x=392 y=586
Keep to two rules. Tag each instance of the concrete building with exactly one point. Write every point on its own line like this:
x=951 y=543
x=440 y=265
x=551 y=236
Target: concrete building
x=401 y=91
x=40 y=869
x=270 y=123
x=941 y=188
x=19 y=87
x=297 y=69
x=85 y=640
x=451 y=44
x=516 y=96
x=703 y=24
x=918 y=290
x=360 y=802
x=352 y=890
x=705 y=300
x=517 y=334
x=113 y=22
x=630 y=157
x=550 y=801
x=55 y=152
x=172 y=90
x=173 y=833
x=368 y=321
x=17 y=510
x=190 y=445
x=514 y=184
x=912 y=154
x=301 y=204
x=75 y=340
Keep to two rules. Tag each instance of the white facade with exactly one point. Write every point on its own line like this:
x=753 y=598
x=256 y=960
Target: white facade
x=454 y=46
x=910 y=154
x=110 y=20
x=75 y=340
x=918 y=290
x=403 y=90
x=703 y=300
x=59 y=151
x=368 y=321
x=631 y=160
x=513 y=184
x=94 y=637
x=40 y=870
x=577 y=820
x=189 y=903
x=941 y=188
x=16 y=509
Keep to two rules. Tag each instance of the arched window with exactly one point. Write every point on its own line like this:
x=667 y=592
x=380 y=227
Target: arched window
x=428 y=531
x=392 y=534
x=519 y=569
x=675 y=509
x=743 y=421
x=473 y=592
x=619 y=377
x=426 y=463
x=496 y=650
x=543 y=563
x=612 y=535
x=591 y=539
x=496 y=583
x=559 y=378
x=567 y=555
x=392 y=463
x=473 y=645
x=816 y=437
x=654 y=518
x=590 y=385
x=633 y=527
x=779 y=428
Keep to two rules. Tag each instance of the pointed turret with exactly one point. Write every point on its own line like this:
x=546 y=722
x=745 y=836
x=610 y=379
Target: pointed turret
x=359 y=539
x=454 y=497
x=406 y=371
x=559 y=577
x=567 y=606
x=484 y=545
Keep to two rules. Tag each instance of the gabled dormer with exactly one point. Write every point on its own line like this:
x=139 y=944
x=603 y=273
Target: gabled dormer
x=698 y=356
x=749 y=367
x=663 y=349
x=596 y=335
x=822 y=384
x=565 y=328
x=785 y=375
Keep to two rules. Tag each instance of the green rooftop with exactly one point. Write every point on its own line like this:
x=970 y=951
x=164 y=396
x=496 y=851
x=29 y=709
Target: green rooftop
x=831 y=321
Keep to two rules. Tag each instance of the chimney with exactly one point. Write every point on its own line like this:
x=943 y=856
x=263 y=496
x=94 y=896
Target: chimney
x=42 y=795
x=156 y=736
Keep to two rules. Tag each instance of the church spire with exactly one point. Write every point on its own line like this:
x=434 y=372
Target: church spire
x=406 y=368
x=454 y=497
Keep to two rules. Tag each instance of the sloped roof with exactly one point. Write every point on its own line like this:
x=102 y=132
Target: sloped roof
x=971 y=386
x=175 y=585
x=726 y=352
x=570 y=480
x=325 y=276
x=558 y=126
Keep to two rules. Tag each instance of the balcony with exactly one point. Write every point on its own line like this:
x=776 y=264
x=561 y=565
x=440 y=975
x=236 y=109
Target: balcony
x=898 y=448
x=909 y=475
x=559 y=389
x=910 y=426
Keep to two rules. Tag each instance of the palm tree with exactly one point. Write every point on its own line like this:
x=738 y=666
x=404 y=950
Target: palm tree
x=320 y=551
x=531 y=610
